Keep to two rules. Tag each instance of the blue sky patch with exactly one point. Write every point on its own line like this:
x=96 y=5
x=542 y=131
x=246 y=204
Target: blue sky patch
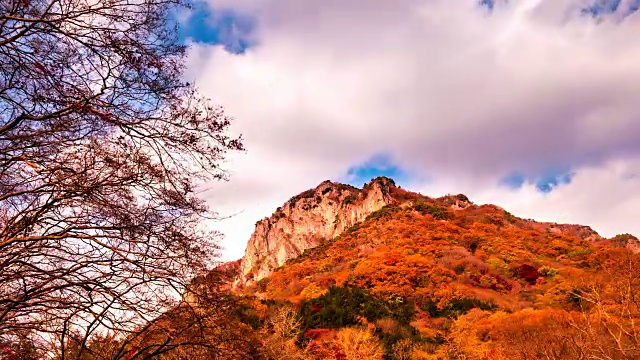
x=229 y=28
x=601 y=8
x=544 y=182
x=550 y=180
x=489 y=4
x=597 y=9
x=377 y=165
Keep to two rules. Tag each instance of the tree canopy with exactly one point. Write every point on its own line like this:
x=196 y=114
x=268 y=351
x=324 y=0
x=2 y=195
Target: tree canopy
x=102 y=144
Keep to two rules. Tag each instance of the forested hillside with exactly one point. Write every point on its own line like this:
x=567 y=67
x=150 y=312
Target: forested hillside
x=446 y=279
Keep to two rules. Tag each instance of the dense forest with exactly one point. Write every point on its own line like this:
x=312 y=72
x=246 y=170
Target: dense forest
x=422 y=281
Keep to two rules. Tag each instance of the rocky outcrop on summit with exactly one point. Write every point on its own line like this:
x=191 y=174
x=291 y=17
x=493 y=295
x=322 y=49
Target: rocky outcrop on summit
x=623 y=240
x=308 y=219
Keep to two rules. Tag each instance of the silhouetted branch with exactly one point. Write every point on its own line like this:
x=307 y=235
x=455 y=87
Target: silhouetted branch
x=101 y=145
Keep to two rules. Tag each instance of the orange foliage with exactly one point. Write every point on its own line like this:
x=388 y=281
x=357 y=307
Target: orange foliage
x=553 y=286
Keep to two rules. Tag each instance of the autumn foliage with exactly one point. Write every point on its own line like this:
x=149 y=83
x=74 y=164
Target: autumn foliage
x=446 y=279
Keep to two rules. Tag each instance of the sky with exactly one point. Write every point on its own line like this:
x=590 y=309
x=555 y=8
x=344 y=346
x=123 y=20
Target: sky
x=531 y=105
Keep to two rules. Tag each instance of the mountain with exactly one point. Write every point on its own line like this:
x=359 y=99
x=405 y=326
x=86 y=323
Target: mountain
x=307 y=220
x=336 y=233
x=320 y=214
x=435 y=278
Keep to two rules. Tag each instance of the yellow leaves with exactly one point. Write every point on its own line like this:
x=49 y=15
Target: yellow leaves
x=444 y=294
x=464 y=340
x=530 y=334
x=487 y=281
x=280 y=342
x=312 y=291
x=357 y=343
x=325 y=265
x=560 y=245
x=439 y=274
x=409 y=247
x=498 y=264
x=393 y=272
x=537 y=334
x=341 y=278
x=407 y=349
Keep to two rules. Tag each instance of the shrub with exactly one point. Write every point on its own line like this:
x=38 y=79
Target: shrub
x=391 y=332
x=352 y=229
x=348 y=343
x=262 y=284
x=509 y=217
x=350 y=199
x=456 y=307
x=247 y=315
x=471 y=242
x=383 y=213
x=304 y=195
x=580 y=254
x=575 y=298
x=548 y=271
x=311 y=291
x=279 y=214
x=529 y=273
x=342 y=306
x=438 y=212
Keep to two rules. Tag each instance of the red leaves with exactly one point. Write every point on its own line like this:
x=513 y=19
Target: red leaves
x=529 y=273
x=39 y=66
x=317 y=334
x=7 y=350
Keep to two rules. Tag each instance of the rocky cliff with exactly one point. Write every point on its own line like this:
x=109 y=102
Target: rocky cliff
x=308 y=219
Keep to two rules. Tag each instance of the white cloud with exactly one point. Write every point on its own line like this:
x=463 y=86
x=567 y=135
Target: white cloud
x=446 y=87
x=605 y=197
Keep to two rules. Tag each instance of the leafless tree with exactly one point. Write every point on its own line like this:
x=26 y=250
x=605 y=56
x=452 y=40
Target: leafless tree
x=101 y=145
x=610 y=307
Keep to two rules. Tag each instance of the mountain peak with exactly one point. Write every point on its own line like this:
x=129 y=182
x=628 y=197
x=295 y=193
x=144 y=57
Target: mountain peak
x=320 y=214
x=308 y=219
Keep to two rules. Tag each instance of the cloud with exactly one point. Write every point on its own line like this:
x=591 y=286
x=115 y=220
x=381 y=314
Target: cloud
x=449 y=89
x=604 y=197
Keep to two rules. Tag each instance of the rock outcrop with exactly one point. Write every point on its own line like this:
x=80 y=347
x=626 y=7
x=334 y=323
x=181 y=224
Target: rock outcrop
x=624 y=240
x=580 y=231
x=308 y=219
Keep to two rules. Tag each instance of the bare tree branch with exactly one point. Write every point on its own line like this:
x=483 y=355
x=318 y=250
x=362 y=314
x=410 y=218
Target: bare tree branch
x=101 y=145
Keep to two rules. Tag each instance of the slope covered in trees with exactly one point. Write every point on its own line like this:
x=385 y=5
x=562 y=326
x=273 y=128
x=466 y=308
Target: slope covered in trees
x=446 y=279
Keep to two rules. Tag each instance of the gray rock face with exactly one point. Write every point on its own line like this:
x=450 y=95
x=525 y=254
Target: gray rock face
x=305 y=221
